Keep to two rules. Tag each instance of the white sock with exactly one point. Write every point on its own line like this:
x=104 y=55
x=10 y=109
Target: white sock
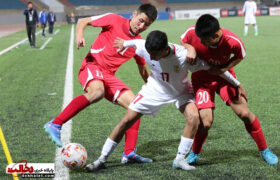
x=184 y=147
x=107 y=149
x=246 y=29
x=256 y=28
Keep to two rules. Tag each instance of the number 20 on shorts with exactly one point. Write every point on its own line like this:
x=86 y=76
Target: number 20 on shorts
x=203 y=97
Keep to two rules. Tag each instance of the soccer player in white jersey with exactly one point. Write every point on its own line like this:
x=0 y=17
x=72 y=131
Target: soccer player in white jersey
x=250 y=9
x=168 y=83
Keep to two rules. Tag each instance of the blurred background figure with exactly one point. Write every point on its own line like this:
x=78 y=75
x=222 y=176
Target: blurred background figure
x=73 y=18
x=250 y=9
x=31 y=19
x=43 y=21
x=51 y=20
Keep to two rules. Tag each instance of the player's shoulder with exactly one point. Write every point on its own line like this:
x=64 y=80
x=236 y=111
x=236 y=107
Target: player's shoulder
x=232 y=40
x=109 y=16
x=190 y=31
x=178 y=50
x=230 y=36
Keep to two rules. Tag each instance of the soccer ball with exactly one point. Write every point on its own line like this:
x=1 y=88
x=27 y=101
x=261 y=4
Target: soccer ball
x=74 y=155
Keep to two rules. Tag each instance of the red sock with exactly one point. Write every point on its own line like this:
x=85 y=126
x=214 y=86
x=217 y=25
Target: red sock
x=131 y=138
x=255 y=130
x=198 y=141
x=73 y=108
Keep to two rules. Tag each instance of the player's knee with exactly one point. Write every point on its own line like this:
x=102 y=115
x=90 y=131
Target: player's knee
x=95 y=94
x=244 y=114
x=193 y=119
x=207 y=125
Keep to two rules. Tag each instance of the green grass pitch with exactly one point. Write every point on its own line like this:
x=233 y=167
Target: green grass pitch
x=31 y=93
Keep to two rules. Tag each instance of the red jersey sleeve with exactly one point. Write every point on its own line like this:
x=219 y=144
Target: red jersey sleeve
x=186 y=36
x=104 y=20
x=139 y=60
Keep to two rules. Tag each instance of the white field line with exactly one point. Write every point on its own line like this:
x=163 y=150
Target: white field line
x=57 y=31
x=16 y=44
x=44 y=45
x=61 y=172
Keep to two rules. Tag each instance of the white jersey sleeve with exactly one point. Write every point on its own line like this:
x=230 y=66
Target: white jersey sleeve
x=200 y=65
x=138 y=44
x=229 y=77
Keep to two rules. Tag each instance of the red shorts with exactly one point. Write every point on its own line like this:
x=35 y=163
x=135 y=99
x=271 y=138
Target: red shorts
x=205 y=86
x=90 y=71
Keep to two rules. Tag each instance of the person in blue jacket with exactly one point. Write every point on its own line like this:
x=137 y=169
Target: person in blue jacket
x=51 y=20
x=43 y=20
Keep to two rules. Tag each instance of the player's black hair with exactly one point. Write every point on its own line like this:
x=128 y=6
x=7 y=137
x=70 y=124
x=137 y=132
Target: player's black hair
x=156 y=41
x=149 y=9
x=29 y=2
x=206 y=26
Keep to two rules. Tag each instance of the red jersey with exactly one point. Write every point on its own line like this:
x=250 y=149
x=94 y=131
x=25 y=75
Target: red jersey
x=102 y=50
x=229 y=46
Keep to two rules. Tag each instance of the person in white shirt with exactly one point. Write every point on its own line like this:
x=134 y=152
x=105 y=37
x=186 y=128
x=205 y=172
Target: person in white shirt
x=167 y=83
x=250 y=9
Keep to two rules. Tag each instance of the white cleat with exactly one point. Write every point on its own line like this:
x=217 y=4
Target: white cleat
x=95 y=166
x=182 y=164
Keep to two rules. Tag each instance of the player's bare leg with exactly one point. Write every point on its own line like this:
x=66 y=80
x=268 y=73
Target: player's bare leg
x=191 y=114
x=115 y=137
x=95 y=92
x=206 y=120
x=131 y=135
x=253 y=127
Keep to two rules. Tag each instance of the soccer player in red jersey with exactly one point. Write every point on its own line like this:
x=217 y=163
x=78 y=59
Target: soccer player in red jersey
x=224 y=49
x=97 y=71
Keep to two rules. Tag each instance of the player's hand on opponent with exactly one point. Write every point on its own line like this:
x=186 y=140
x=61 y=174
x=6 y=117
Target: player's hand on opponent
x=241 y=92
x=191 y=55
x=80 y=42
x=118 y=43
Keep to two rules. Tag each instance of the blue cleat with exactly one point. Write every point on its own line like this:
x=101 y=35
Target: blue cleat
x=192 y=158
x=269 y=157
x=54 y=132
x=133 y=157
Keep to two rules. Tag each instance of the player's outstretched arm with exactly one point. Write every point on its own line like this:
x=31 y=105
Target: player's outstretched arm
x=144 y=72
x=221 y=69
x=81 y=25
x=119 y=43
x=191 y=55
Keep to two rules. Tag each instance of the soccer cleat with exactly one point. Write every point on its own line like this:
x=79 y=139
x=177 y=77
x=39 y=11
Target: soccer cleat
x=95 y=166
x=54 y=132
x=245 y=34
x=256 y=33
x=192 y=158
x=269 y=157
x=133 y=157
x=182 y=164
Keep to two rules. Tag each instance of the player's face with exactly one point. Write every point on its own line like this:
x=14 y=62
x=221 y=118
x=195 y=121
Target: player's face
x=211 y=40
x=139 y=22
x=208 y=41
x=157 y=55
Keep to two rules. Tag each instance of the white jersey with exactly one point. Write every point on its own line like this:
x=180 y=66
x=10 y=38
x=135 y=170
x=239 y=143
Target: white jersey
x=169 y=75
x=250 y=9
x=168 y=82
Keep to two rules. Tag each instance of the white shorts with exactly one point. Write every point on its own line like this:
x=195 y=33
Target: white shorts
x=250 y=20
x=149 y=102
